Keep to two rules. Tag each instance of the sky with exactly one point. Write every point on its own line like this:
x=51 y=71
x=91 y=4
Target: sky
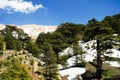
x=55 y=12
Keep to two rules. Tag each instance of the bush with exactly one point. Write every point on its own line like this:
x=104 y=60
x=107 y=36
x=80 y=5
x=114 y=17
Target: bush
x=63 y=61
x=82 y=64
x=111 y=72
x=1 y=53
x=88 y=75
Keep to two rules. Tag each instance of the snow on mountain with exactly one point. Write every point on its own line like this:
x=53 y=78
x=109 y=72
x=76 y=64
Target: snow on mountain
x=33 y=30
x=2 y=26
x=88 y=47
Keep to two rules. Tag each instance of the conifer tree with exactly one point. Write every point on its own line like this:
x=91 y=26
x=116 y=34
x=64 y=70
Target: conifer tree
x=104 y=40
x=50 y=65
x=1 y=42
x=78 y=53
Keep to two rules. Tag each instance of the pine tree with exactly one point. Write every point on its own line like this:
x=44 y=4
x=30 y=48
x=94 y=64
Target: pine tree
x=78 y=53
x=50 y=65
x=33 y=48
x=104 y=40
x=1 y=42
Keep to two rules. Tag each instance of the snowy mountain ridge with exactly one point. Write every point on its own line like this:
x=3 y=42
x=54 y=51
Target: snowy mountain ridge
x=33 y=30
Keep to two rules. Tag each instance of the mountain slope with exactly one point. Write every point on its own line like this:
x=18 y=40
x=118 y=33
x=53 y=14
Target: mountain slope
x=33 y=30
x=2 y=26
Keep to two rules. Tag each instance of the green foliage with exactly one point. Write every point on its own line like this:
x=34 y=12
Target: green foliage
x=15 y=32
x=113 y=22
x=82 y=64
x=12 y=43
x=93 y=22
x=57 y=41
x=50 y=65
x=4 y=63
x=92 y=32
x=78 y=52
x=1 y=42
x=104 y=40
x=14 y=37
x=111 y=72
x=16 y=71
x=9 y=41
x=64 y=36
x=1 y=53
x=63 y=61
x=70 y=31
x=42 y=38
x=33 y=48
x=39 y=64
x=18 y=44
x=32 y=62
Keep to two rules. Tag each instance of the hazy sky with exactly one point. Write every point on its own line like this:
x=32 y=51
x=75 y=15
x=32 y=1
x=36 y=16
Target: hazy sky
x=55 y=12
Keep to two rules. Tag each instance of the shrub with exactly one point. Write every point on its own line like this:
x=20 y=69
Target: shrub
x=63 y=61
x=82 y=64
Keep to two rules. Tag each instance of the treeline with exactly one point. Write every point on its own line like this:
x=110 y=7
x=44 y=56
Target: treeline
x=67 y=34
x=13 y=38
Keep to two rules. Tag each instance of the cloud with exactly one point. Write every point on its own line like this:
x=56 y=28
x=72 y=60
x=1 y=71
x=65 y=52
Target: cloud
x=22 y=6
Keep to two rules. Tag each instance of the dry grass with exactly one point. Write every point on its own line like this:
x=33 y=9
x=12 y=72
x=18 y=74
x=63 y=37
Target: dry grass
x=64 y=78
x=109 y=71
x=90 y=68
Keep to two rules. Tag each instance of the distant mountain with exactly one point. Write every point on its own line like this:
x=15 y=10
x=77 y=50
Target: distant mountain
x=33 y=30
x=2 y=26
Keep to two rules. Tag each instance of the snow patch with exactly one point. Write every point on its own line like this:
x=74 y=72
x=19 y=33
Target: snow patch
x=115 y=54
x=67 y=51
x=113 y=63
x=72 y=72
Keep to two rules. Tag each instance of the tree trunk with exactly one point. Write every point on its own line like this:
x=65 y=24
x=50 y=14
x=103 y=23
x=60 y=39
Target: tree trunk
x=99 y=62
x=58 y=58
x=50 y=73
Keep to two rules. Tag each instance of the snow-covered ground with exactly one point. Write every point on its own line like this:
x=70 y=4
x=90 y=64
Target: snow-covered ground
x=72 y=72
x=113 y=63
x=115 y=53
x=90 y=51
x=89 y=56
x=67 y=51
